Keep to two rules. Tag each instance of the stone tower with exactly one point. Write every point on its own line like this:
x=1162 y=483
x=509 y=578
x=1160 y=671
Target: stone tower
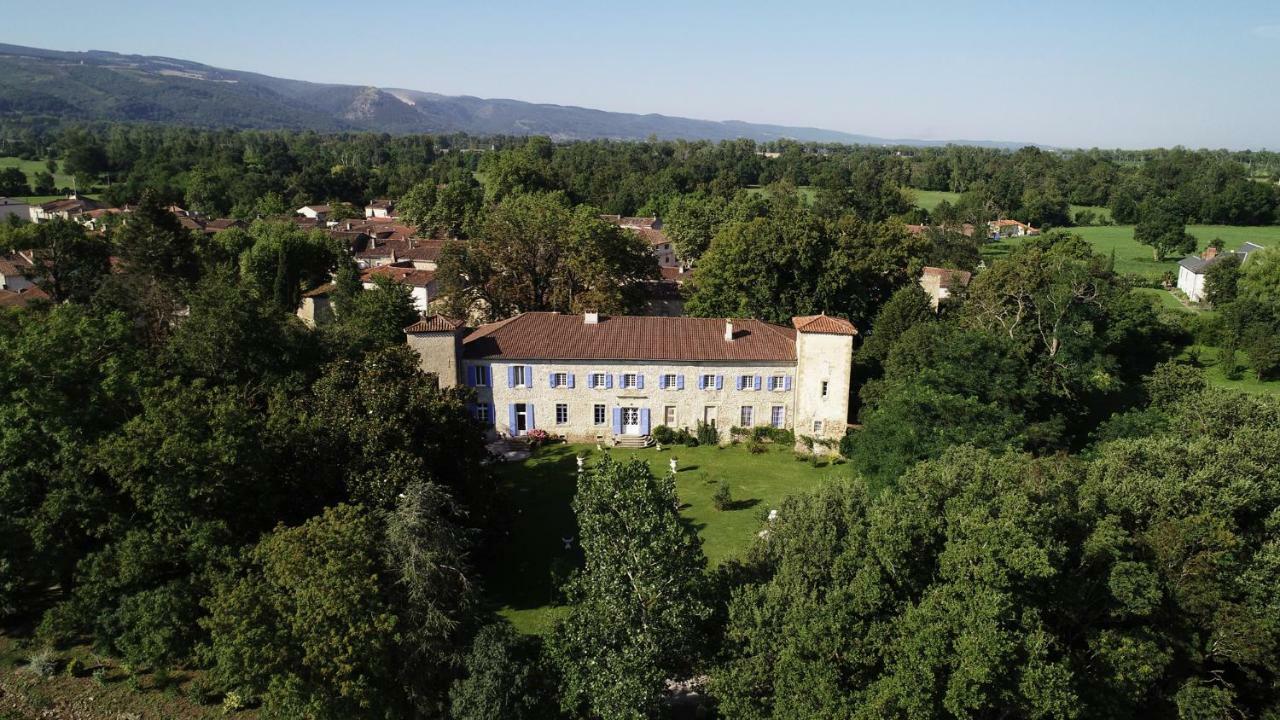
x=824 y=372
x=438 y=342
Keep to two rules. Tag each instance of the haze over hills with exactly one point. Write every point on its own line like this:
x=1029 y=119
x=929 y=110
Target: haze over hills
x=96 y=85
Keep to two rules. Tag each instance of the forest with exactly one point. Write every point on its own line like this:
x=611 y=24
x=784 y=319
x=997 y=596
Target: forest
x=1049 y=512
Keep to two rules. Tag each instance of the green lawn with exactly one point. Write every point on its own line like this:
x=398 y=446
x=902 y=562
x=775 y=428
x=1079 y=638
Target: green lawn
x=31 y=167
x=1103 y=213
x=1134 y=258
x=1215 y=373
x=542 y=488
x=929 y=199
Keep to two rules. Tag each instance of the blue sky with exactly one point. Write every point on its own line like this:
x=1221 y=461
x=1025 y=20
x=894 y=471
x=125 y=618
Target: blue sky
x=1128 y=73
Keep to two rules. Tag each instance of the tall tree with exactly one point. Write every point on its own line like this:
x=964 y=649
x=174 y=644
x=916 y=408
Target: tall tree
x=637 y=607
x=1162 y=226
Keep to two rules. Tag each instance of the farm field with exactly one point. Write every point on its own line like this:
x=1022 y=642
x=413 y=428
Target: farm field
x=1133 y=258
x=929 y=199
x=542 y=488
x=31 y=167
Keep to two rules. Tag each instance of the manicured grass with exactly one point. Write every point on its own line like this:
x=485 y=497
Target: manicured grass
x=929 y=199
x=1136 y=259
x=1215 y=372
x=31 y=167
x=542 y=488
x=1167 y=300
x=1103 y=213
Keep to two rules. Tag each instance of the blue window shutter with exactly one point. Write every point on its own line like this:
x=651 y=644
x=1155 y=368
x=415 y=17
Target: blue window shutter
x=786 y=383
x=617 y=421
x=528 y=410
x=702 y=382
x=757 y=382
x=719 y=382
x=511 y=410
x=471 y=410
x=528 y=377
x=679 y=382
x=608 y=381
x=570 y=381
x=662 y=382
x=511 y=376
x=644 y=421
x=471 y=376
x=737 y=382
x=639 y=381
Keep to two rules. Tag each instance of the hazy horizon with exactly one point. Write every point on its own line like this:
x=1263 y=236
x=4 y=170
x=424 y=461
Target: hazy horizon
x=1098 y=76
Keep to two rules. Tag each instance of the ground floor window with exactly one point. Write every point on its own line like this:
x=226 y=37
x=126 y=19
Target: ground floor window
x=817 y=426
x=482 y=413
x=778 y=417
x=748 y=416
x=562 y=413
x=598 y=414
x=669 y=416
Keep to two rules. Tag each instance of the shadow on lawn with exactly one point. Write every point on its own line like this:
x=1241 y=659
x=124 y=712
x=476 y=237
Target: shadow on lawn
x=531 y=560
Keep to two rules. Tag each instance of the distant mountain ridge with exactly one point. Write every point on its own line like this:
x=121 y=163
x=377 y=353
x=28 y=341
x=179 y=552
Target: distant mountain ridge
x=98 y=85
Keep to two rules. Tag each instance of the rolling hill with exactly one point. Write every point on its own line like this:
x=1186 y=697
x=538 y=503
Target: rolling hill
x=98 y=86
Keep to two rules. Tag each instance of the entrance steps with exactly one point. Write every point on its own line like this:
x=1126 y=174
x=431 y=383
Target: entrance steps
x=632 y=442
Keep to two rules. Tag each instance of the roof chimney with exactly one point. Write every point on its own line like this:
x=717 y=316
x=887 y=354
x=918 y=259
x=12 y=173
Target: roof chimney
x=591 y=318
x=728 y=330
x=1210 y=253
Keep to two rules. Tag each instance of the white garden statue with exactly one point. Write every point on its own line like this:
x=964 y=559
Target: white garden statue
x=673 y=466
x=581 y=460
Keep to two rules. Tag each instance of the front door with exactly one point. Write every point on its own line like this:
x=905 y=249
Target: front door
x=709 y=415
x=630 y=421
x=522 y=418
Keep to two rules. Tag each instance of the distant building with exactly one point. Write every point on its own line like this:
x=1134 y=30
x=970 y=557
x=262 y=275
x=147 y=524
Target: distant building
x=650 y=229
x=65 y=209
x=380 y=209
x=943 y=283
x=12 y=275
x=1192 y=269
x=319 y=213
x=612 y=379
x=1000 y=229
x=422 y=283
x=317 y=306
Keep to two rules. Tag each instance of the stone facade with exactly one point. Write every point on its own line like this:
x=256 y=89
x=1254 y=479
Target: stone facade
x=686 y=399
x=571 y=377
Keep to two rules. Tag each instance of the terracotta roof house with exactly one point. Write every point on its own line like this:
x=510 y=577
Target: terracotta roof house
x=422 y=283
x=13 y=273
x=1010 y=228
x=65 y=209
x=21 y=298
x=319 y=213
x=612 y=378
x=650 y=229
x=943 y=283
x=380 y=209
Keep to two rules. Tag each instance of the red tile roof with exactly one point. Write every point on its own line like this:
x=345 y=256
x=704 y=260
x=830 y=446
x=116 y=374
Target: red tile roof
x=433 y=324
x=552 y=336
x=400 y=274
x=947 y=277
x=9 y=298
x=322 y=290
x=824 y=324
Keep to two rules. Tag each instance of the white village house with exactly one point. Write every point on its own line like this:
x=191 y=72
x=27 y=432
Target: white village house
x=614 y=378
x=1192 y=269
